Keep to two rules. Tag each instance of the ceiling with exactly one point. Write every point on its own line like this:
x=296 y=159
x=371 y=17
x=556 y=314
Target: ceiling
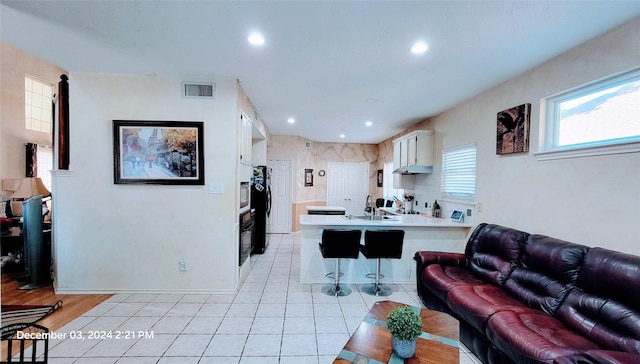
x=330 y=65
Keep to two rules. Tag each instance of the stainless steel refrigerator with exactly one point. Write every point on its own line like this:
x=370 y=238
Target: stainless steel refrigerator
x=261 y=202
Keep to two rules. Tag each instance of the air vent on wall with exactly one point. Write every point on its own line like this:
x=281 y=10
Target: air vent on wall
x=199 y=90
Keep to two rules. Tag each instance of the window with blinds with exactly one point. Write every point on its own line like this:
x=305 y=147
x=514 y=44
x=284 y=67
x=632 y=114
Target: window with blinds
x=459 y=172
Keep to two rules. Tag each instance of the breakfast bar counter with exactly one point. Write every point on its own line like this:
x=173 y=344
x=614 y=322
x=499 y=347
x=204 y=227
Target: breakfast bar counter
x=421 y=233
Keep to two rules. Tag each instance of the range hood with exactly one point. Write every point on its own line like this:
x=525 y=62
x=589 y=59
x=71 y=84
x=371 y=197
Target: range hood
x=414 y=170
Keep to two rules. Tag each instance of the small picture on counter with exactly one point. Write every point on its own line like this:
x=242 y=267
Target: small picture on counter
x=380 y=177
x=513 y=130
x=457 y=216
x=308 y=177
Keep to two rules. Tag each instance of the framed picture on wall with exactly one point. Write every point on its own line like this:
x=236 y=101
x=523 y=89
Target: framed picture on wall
x=513 y=130
x=380 y=177
x=308 y=177
x=158 y=152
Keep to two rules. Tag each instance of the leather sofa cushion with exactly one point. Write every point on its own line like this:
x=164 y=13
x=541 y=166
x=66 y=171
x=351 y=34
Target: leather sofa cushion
x=534 y=337
x=493 y=251
x=547 y=271
x=605 y=304
x=475 y=304
x=441 y=278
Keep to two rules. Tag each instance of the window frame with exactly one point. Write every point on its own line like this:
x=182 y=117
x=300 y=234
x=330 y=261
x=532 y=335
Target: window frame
x=448 y=195
x=28 y=103
x=550 y=125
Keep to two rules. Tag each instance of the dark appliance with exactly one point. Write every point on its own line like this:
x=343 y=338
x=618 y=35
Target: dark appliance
x=247 y=227
x=244 y=195
x=261 y=202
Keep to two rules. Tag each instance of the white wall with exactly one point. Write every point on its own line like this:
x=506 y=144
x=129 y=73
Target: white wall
x=130 y=237
x=589 y=200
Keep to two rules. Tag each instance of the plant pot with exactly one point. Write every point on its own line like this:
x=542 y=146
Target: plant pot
x=403 y=348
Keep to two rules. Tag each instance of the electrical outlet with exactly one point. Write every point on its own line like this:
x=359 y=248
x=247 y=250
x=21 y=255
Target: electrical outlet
x=182 y=265
x=468 y=212
x=426 y=204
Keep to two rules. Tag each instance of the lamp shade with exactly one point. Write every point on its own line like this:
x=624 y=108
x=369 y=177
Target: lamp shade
x=30 y=186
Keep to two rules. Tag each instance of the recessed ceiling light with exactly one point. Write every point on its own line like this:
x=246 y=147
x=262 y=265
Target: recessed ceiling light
x=256 y=39
x=291 y=120
x=419 y=47
x=342 y=135
x=368 y=123
x=372 y=100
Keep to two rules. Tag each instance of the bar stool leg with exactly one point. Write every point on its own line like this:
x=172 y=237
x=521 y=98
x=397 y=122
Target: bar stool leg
x=377 y=289
x=336 y=289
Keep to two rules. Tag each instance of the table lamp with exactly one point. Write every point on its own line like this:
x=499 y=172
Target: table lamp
x=30 y=186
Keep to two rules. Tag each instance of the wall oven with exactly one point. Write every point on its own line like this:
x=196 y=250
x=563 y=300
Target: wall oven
x=247 y=226
x=245 y=195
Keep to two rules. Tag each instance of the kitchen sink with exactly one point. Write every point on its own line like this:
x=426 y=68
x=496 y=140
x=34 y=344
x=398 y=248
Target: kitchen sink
x=375 y=218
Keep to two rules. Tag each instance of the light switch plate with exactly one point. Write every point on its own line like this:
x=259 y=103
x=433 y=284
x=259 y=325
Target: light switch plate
x=216 y=188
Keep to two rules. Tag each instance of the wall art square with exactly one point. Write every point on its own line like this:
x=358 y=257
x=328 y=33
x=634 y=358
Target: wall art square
x=308 y=177
x=513 y=130
x=158 y=152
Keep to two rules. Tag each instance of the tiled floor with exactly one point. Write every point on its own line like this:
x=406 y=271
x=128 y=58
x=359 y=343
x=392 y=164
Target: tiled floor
x=272 y=319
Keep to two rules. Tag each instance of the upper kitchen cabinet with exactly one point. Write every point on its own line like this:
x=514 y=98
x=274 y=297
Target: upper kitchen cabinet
x=246 y=134
x=413 y=153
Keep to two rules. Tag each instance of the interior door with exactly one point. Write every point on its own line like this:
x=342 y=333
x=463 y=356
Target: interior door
x=279 y=221
x=348 y=186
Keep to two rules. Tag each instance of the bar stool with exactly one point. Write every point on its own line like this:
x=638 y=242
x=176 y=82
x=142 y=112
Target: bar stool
x=381 y=244
x=339 y=244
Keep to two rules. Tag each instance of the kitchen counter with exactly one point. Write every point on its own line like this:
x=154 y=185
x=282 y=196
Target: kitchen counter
x=326 y=210
x=421 y=233
x=395 y=221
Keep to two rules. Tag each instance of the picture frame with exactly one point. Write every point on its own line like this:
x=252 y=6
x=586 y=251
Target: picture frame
x=380 y=177
x=158 y=152
x=512 y=130
x=308 y=177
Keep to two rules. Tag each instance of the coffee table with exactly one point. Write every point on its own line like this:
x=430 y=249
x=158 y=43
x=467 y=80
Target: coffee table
x=371 y=342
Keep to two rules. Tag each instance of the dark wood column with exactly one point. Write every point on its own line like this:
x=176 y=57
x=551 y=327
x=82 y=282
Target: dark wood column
x=63 y=123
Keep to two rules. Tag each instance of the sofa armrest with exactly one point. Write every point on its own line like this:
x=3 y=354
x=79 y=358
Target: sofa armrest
x=424 y=258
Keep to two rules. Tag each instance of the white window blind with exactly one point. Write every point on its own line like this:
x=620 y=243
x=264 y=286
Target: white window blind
x=45 y=164
x=459 y=172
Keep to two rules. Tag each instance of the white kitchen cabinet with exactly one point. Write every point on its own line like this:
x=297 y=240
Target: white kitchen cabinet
x=245 y=139
x=413 y=149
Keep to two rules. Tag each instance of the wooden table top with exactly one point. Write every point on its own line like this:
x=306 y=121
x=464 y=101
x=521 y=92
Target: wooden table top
x=371 y=342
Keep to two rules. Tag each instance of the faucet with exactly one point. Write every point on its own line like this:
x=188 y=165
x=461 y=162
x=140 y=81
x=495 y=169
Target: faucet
x=369 y=208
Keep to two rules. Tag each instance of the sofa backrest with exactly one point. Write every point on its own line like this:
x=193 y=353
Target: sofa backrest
x=604 y=305
x=547 y=270
x=493 y=252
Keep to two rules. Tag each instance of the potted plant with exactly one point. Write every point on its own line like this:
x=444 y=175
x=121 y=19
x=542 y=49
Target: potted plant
x=405 y=326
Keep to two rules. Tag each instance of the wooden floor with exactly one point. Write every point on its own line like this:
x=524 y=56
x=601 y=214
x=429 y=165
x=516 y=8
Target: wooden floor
x=73 y=305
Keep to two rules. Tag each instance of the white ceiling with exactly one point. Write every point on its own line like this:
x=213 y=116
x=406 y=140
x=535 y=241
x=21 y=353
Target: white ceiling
x=330 y=65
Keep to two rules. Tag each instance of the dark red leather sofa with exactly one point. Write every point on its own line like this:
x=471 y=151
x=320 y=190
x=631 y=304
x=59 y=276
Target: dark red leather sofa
x=527 y=298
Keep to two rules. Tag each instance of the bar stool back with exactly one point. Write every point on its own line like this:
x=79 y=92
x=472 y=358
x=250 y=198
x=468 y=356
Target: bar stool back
x=339 y=244
x=381 y=244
